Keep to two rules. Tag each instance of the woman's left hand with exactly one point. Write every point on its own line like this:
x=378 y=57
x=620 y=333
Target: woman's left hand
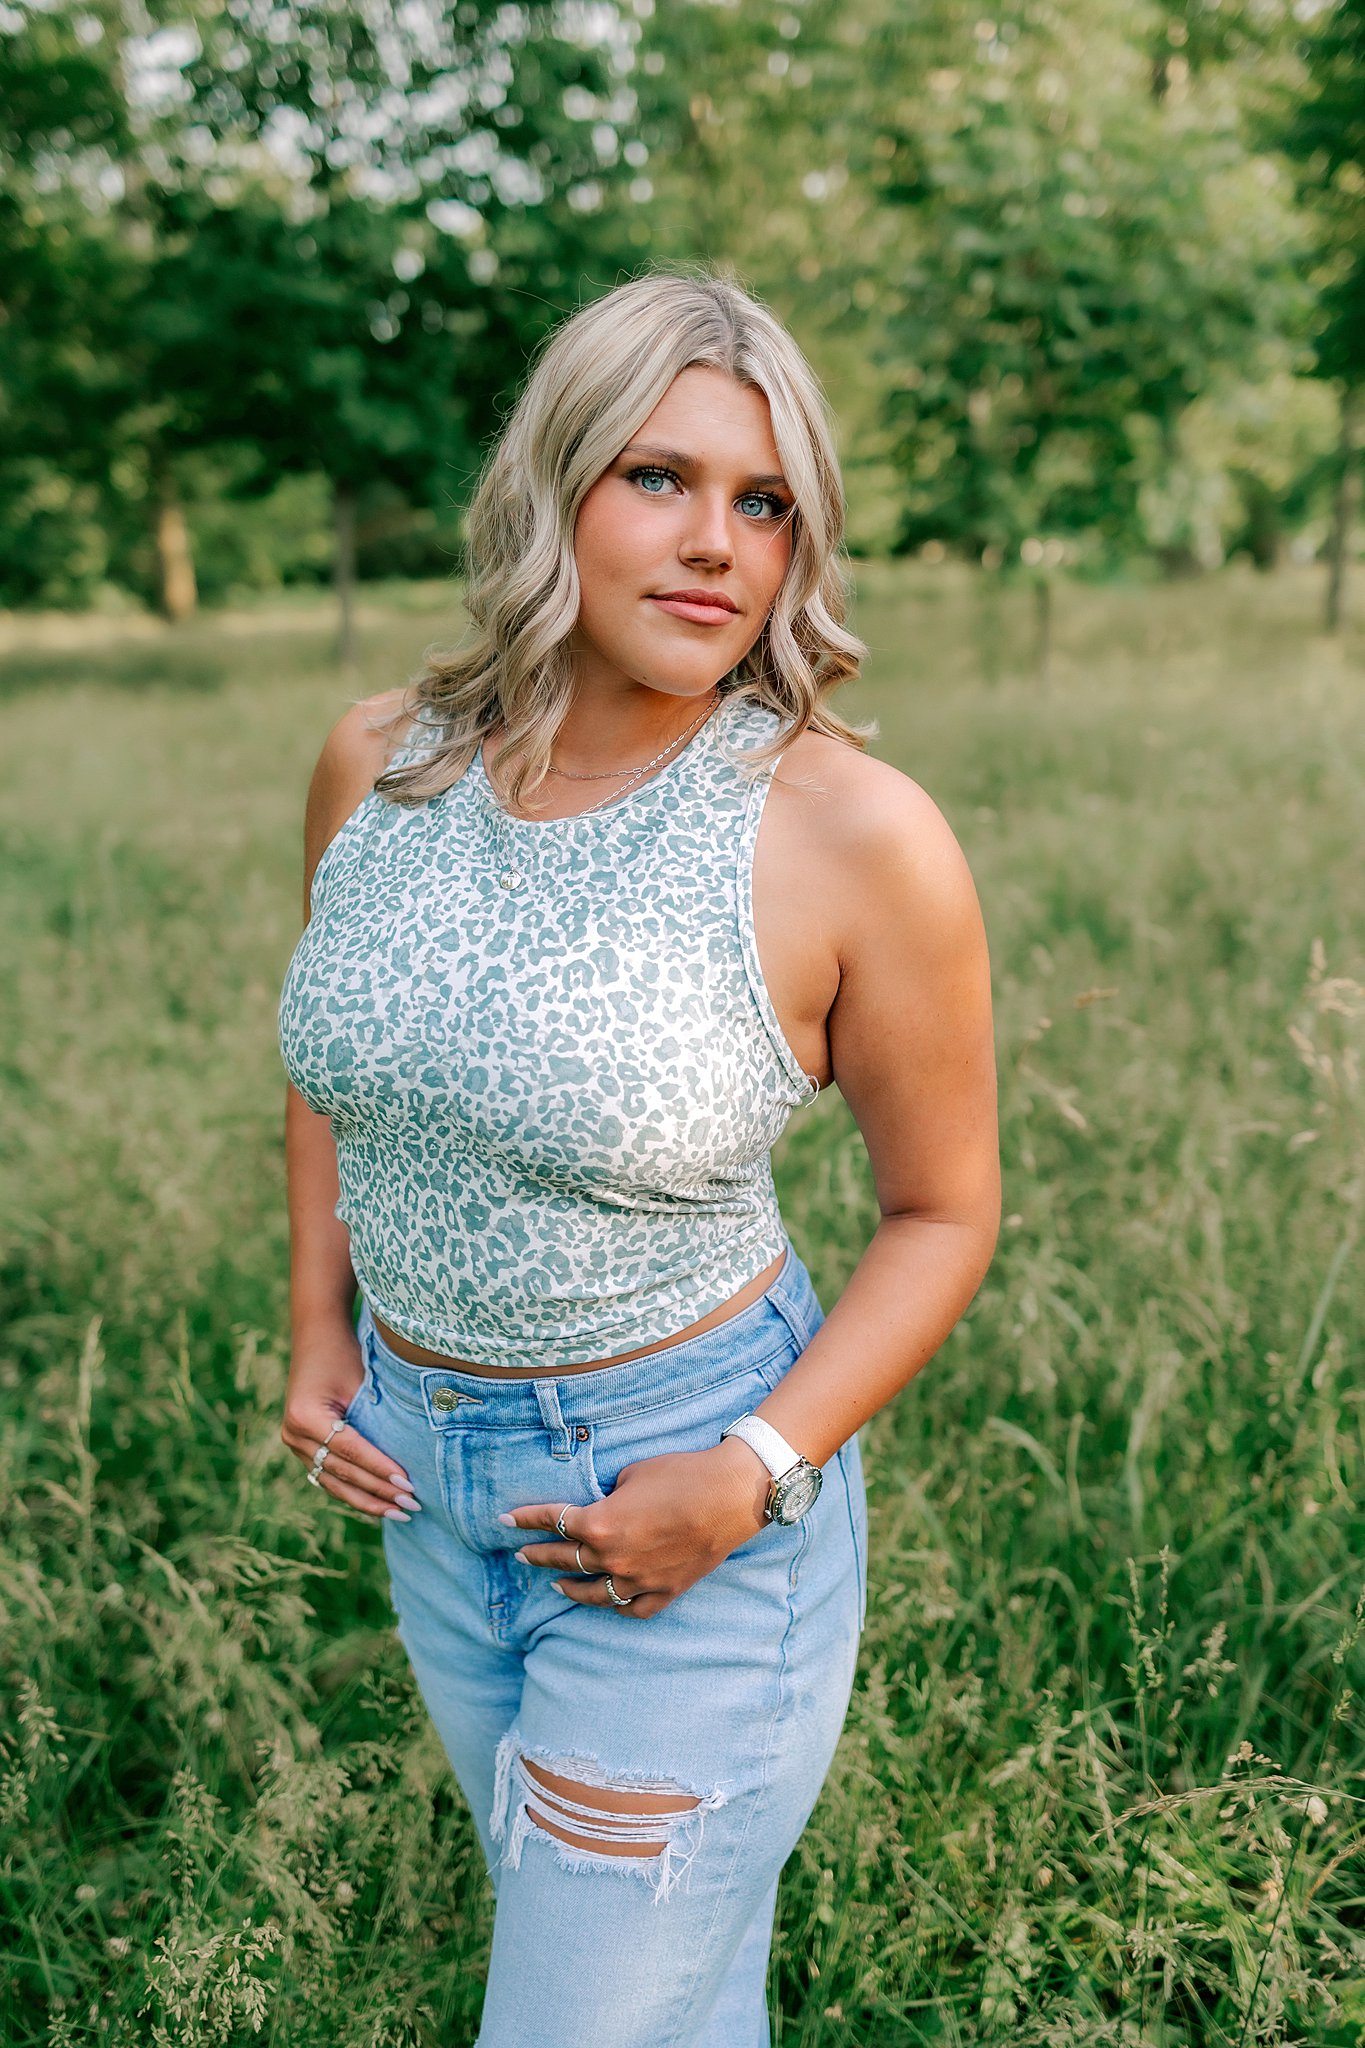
x=666 y=1523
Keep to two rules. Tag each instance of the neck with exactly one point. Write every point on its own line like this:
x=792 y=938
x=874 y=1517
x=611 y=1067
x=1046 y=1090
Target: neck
x=605 y=748
x=624 y=728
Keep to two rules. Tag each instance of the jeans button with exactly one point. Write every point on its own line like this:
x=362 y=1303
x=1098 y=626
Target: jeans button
x=444 y=1398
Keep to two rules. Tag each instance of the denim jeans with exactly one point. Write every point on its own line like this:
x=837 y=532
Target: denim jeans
x=731 y=1699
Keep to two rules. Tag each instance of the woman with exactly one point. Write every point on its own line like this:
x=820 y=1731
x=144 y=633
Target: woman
x=556 y=999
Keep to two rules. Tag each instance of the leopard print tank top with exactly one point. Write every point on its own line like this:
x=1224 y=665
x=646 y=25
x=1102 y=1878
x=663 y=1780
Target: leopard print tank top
x=548 y=1056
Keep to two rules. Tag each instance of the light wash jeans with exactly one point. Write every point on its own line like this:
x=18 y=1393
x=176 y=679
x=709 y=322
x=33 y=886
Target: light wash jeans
x=733 y=1696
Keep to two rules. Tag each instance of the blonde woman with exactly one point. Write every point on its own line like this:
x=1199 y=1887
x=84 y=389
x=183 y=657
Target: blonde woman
x=625 y=893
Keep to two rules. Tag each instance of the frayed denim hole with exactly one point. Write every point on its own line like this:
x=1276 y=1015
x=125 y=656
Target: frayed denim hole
x=511 y=1821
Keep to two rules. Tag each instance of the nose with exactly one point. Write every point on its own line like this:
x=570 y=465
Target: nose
x=707 y=537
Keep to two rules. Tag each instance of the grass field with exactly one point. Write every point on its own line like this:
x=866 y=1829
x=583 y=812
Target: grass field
x=1103 y=1779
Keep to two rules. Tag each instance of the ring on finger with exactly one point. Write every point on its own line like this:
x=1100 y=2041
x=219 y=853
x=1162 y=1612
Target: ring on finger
x=586 y=1569
x=323 y=1451
x=615 y=1598
x=559 y=1522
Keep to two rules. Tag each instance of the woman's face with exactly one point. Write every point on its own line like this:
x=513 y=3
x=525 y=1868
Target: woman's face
x=682 y=543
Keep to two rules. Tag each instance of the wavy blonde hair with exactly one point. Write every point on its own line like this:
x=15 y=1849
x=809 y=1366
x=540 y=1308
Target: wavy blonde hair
x=596 y=380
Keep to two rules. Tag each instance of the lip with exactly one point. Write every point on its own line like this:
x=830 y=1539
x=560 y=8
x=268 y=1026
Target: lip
x=702 y=607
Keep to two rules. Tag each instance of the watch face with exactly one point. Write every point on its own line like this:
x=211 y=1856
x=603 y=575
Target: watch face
x=795 y=1493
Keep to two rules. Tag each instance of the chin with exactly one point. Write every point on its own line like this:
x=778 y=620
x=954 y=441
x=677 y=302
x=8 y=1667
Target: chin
x=681 y=686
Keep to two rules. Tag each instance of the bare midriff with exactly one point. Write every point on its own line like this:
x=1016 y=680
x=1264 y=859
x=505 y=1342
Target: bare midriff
x=415 y=1354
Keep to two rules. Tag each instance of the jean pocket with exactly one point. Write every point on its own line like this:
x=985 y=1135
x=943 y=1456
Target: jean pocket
x=772 y=1371
x=692 y=1421
x=365 y=1394
x=850 y=1463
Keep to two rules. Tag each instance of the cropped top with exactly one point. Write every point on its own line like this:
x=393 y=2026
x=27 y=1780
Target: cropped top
x=550 y=1063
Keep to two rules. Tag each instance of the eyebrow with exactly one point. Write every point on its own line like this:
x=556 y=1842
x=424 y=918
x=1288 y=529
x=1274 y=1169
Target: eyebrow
x=675 y=459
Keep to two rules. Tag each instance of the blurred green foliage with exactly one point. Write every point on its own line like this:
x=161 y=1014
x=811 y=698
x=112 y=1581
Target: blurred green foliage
x=1101 y=1783
x=1083 y=278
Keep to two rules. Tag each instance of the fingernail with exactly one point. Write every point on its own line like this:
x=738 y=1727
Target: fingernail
x=509 y=1521
x=396 y=1515
x=399 y=1479
x=408 y=1500
x=560 y=1586
x=521 y=1556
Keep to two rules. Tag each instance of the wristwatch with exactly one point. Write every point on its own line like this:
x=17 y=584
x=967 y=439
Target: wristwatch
x=796 y=1482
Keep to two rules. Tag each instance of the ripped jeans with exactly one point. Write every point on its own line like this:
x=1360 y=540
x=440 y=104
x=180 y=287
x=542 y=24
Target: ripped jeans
x=715 y=1720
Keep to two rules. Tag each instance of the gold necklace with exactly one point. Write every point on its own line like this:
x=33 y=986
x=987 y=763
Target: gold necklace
x=511 y=875
x=601 y=774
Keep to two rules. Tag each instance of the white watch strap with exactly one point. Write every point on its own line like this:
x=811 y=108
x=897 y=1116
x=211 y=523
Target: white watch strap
x=776 y=1453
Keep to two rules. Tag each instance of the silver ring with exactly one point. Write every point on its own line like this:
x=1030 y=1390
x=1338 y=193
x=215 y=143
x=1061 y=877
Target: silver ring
x=559 y=1523
x=612 y=1593
x=323 y=1451
x=578 y=1560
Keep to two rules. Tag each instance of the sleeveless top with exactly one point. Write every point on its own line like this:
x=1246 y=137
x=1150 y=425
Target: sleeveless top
x=548 y=1057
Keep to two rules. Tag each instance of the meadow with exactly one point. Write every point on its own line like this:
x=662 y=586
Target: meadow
x=1103 y=1778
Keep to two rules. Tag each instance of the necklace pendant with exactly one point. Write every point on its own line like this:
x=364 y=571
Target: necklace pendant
x=511 y=878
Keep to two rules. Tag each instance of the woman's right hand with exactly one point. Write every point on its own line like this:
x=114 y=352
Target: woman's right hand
x=325 y=1375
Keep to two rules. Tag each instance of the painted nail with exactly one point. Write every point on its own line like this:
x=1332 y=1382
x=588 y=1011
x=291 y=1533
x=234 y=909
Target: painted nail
x=560 y=1586
x=399 y=1479
x=409 y=1500
x=521 y=1556
x=396 y=1515
x=508 y=1521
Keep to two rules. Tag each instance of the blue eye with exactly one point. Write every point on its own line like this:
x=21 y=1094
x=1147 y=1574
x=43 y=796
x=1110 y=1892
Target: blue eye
x=649 y=478
x=776 y=506
x=761 y=501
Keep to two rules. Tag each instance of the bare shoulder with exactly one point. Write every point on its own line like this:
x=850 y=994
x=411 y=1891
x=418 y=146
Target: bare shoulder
x=881 y=846
x=354 y=753
x=358 y=746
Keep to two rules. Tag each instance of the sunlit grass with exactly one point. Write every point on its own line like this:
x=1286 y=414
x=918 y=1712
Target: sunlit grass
x=1104 y=1777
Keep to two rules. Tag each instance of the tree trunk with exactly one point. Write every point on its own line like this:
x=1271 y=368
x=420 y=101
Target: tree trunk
x=990 y=624
x=1042 y=615
x=1345 y=505
x=177 y=591
x=343 y=570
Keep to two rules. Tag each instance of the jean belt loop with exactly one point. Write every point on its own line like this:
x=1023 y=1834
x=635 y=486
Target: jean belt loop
x=552 y=1415
x=787 y=1296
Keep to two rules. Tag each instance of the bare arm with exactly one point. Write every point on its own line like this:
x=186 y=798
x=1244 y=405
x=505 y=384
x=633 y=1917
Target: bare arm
x=913 y=1054
x=322 y=1284
x=326 y=1370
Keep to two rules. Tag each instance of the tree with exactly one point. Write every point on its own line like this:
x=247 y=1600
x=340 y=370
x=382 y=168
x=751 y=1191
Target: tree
x=1078 y=265
x=330 y=222
x=64 y=275
x=1324 y=137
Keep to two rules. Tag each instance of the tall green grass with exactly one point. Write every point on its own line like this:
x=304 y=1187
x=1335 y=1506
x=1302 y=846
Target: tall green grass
x=1103 y=1779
